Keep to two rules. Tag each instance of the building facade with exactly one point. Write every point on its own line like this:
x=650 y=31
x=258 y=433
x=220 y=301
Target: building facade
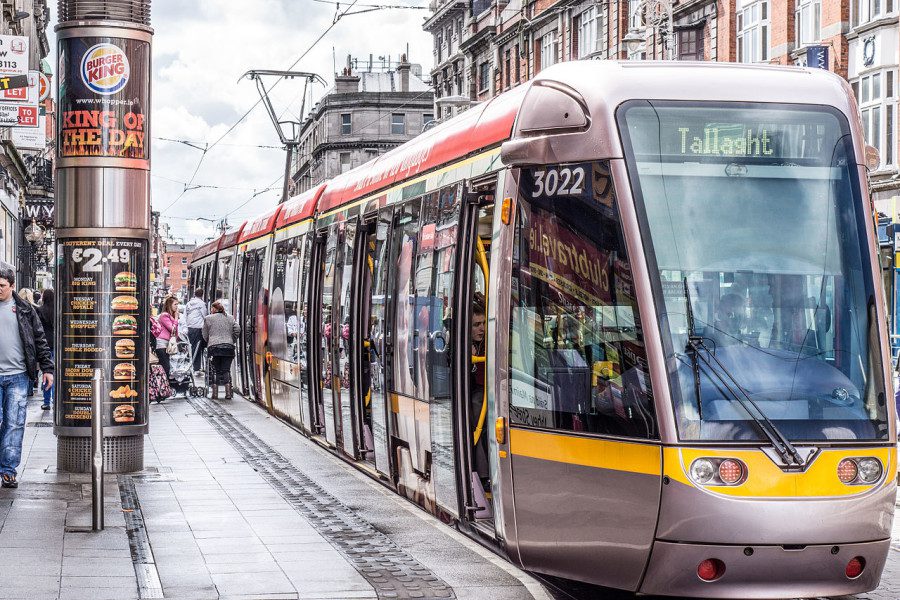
x=25 y=177
x=369 y=111
x=177 y=261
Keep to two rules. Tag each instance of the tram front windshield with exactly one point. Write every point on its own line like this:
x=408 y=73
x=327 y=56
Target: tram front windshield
x=756 y=230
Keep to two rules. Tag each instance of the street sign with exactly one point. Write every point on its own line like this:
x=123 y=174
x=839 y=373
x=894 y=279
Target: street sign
x=13 y=55
x=43 y=88
x=817 y=57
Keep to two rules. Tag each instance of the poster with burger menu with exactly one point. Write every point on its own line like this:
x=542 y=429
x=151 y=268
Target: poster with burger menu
x=103 y=309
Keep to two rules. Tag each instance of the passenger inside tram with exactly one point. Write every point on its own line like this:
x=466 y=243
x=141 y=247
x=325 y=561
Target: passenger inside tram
x=476 y=390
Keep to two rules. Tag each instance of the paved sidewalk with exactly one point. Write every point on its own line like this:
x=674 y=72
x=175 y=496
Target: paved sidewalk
x=235 y=504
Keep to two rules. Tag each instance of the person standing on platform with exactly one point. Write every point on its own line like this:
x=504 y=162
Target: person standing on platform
x=194 y=313
x=47 y=315
x=220 y=332
x=23 y=349
x=168 y=322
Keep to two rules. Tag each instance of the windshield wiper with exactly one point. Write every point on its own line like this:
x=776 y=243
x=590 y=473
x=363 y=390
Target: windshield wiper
x=691 y=349
x=779 y=441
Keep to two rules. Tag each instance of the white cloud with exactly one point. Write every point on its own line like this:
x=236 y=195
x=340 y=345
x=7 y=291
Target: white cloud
x=201 y=49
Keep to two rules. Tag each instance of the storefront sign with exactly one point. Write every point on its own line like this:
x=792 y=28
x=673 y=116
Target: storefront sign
x=103 y=310
x=13 y=55
x=18 y=116
x=103 y=95
x=817 y=57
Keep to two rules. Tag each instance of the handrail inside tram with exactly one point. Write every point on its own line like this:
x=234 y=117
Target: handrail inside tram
x=481 y=257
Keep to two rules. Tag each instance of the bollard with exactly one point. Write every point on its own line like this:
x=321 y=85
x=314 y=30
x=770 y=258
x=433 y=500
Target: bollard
x=97 y=452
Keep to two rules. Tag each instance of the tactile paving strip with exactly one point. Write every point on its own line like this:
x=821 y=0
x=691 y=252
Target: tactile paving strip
x=391 y=570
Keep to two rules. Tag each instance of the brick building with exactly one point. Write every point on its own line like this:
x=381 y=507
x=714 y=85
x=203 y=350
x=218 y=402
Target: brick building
x=484 y=47
x=176 y=270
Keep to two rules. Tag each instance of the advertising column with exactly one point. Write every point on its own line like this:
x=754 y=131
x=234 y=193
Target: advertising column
x=103 y=232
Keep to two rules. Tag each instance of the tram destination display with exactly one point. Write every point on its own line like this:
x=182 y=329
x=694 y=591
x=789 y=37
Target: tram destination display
x=103 y=311
x=103 y=98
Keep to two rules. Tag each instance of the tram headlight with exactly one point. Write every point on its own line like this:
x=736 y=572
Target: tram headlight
x=731 y=471
x=702 y=471
x=869 y=469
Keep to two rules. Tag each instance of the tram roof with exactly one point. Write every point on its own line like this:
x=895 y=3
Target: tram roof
x=261 y=225
x=480 y=127
x=231 y=238
x=206 y=249
x=300 y=207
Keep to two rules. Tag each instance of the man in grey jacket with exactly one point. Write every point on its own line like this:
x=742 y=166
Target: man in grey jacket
x=194 y=313
x=23 y=348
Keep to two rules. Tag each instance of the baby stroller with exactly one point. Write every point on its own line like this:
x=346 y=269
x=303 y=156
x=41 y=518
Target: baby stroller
x=181 y=375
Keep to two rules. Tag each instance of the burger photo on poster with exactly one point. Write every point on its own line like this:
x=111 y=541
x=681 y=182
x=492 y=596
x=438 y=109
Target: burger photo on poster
x=124 y=303
x=125 y=325
x=123 y=372
x=123 y=413
x=126 y=281
x=125 y=348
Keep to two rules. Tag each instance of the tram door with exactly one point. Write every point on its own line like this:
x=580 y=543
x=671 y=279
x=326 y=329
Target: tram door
x=474 y=417
x=341 y=341
x=329 y=377
x=369 y=333
x=251 y=288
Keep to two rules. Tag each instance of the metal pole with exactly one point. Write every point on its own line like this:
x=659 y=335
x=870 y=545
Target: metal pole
x=97 y=453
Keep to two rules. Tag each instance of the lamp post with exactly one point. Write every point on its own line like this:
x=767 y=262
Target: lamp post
x=652 y=13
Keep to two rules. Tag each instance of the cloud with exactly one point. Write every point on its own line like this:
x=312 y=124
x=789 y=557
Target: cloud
x=200 y=51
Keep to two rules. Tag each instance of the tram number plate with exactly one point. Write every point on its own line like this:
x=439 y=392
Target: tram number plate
x=551 y=182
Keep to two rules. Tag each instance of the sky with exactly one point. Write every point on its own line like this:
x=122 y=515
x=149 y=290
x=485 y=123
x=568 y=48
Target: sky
x=202 y=48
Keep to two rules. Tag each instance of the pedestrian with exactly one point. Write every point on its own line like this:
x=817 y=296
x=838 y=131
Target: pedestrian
x=220 y=332
x=194 y=313
x=168 y=322
x=28 y=296
x=23 y=349
x=47 y=315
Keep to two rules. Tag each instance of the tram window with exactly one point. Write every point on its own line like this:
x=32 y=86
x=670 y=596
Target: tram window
x=328 y=327
x=303 y=311
x=576 y=347
x=223 y=282
x=406 y=240
x=348 y=235
x=283 y=320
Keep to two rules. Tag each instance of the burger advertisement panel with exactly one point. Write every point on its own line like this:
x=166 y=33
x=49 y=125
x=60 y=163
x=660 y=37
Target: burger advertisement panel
x=104 y=96
x=104 y=325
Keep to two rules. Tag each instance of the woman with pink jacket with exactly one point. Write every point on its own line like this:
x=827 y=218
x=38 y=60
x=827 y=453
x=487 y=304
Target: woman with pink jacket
x=168 y=322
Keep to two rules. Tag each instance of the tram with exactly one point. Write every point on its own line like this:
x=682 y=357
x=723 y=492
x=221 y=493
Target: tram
x=623 y=322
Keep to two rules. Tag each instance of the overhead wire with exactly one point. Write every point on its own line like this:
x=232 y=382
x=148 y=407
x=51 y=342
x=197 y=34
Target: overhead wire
x=337 y=17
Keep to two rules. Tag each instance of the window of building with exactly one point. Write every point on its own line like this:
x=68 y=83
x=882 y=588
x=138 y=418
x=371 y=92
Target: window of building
x=427 y=118
x=346 y=124
x=587 y=31
x=507 y=71
x=753 y=31
x=345 y=162
x=877 y=100
x=184 y=273
x=690 y=43
x=548 y=50
x=808 y=21
x=449 y=35
x=484 y=76
x=863 y=11
x=184 y=260
x=518 y=65
x=439 y=46
x=398 y=124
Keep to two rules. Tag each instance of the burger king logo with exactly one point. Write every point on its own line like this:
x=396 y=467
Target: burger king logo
x=104 y=69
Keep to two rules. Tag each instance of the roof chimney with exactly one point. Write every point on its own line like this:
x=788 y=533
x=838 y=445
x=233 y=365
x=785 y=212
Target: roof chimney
x=403 y=71
x=346 y=83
